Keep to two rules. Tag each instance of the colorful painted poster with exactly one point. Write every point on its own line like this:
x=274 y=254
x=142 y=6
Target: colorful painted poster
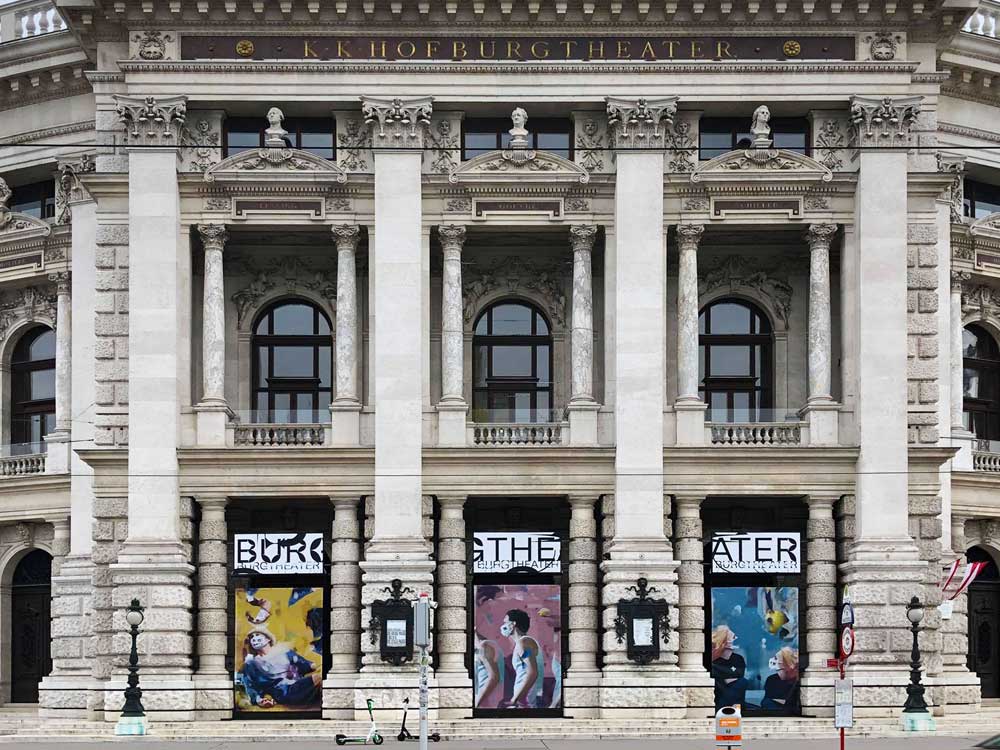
x=755 y=648
x=279 y=649
x=518 y=642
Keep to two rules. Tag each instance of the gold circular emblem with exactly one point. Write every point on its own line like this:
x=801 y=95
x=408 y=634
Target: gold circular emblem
x=244 y=48
x=791 y=48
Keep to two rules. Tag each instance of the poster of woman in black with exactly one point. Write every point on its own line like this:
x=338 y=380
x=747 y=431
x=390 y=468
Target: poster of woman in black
x=728 y=669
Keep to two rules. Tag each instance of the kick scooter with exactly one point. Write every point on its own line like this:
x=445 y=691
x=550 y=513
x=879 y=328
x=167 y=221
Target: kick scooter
x=404 y=733
x=373 y=736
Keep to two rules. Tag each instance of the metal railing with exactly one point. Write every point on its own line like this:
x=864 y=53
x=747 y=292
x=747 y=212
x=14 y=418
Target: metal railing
x=17 y=466
x=514 y=433
x=760 y=433
x=29 y=18
x=278 y=435
x=984 y=21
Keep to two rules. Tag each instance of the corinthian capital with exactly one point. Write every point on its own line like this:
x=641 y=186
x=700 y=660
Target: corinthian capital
x=640 y=123
x=689 y=235
x=958 y=279
x=582 y=236
x=150 y=121
x=820 y=235
x=397 y=123
x=62 y=280
x=885 y=121
x=213 y=236
x=347 y=236
x=452 y=237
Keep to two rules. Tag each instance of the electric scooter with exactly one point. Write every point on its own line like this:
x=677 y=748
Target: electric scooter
x=404 y=733
x=373 y=736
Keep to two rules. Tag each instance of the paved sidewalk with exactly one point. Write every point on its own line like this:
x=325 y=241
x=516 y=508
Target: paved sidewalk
x=150 y=743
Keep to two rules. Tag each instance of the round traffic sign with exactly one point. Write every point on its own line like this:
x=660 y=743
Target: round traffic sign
x=846 y=642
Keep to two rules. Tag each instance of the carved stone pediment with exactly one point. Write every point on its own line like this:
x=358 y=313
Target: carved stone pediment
x=988 y=226
x=762 y=165
x=519 y=166
x=276 y=165
x=17 y=227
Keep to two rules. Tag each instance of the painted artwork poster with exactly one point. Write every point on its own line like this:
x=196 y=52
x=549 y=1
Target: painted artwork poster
x=755 y=648
x=279 y=649
x=518 y=642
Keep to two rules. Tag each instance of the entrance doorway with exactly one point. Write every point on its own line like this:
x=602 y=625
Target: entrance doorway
x=984 y=624
x=31 y=597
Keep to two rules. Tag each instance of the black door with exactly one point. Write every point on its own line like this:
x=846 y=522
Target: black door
x=984 y=635
x=31 y=597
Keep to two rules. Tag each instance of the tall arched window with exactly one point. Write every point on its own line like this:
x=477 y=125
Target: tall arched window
x=981 y=383
x=735 y=361
x=512 y=365
x=33 y=390
x=293 y=359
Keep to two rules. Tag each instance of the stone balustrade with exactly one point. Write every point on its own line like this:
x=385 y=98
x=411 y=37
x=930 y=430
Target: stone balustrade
x=518 y=434
x=26 y=19
x=763 y=433
x=984 y=21
x=985 y=461
x=278 y=435
x=16 y=466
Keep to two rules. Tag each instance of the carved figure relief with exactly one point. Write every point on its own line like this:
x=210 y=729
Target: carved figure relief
x=683 y=157
x=69 y=188
x=275 y=136
x=760 y=127
x=202 y=140
x=444 y=147
x=152 y=45
x=509 y=275
x=27 y=303
x=353 y=145
x=883 y=45
x=295 y=272
x=831 y=139
x=590 y=146
x=735 y=272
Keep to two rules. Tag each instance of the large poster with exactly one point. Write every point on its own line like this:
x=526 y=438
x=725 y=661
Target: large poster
x=755 y=648
x=279 y=649
x=518 y=641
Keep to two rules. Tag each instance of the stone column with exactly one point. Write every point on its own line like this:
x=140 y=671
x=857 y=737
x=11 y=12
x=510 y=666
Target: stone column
x=689 y=549
x=582 y=407
x=346 y=405
x=213 y=411
x=639 y=549
x=689 y=408
x=452 y=409
x=450 y=620
x=581 y=694
x=821 y=411
x=214 y=699
x=345 y=606
x=821 y=580
x=398 y=548
x=57 y=461
x=152 y=565
x=962 y=438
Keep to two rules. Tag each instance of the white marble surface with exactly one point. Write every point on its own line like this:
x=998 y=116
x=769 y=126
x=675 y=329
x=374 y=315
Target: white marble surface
x=213 y=321
x=452 y=238
x=819 y=237
x=688 y=236
x=347 y=237
x=582 y=378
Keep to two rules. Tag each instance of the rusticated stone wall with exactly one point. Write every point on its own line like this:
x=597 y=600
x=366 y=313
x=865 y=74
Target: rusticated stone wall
x=111 y=330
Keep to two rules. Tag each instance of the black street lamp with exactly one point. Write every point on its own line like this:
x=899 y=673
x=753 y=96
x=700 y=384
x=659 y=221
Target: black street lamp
x=133 y=718
x=915 y=703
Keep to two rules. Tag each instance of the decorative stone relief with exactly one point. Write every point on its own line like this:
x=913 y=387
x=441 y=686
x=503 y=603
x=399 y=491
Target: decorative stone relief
x=444 y=152
x=150 y=121
x=354 y=142
x=955 y=166
x=988 y=226
x=21 y=225
x=640 y=123
x=218 y=204
x=762 y=164
x=337 y=203
x=683 y=156
x=458 y=205
x=591 y=142
x=69 y=188
x=980 y=298
x=294 y=272
x=397 y=122
x=512 y=274
x=831 y=140
x=883 y=45
x=576 y=203
x=27 y=304
x=247 y=298
x=696 y=204
x=153 y=45
x=883 y=122
x=735 y=272
x=817 y=203
x=201 y=138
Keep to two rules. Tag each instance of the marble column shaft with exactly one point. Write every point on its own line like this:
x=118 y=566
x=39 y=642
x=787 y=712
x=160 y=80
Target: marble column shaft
x=345 y=587
x=689 y=236
x=64 y=344
x=821 y=579
x=452 y=239
x=212 y=587
x=583 y=592
x=690 y=582
x=213 y=322
x=347 y=237
x=582 y=240
x=957 y=368
x=450 y=618
x=819 y=237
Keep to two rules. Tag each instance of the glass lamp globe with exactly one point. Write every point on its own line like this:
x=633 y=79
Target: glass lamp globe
x=134 y=617
x=915 y=611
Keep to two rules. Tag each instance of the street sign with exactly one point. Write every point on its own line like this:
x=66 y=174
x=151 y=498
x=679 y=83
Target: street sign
x=833 y=663
x=846 y=642
x=843 y=699
x=728 y=727
x=847 y=614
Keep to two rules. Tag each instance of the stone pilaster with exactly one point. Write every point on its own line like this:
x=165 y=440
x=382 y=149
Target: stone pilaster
x=346 y=405
x=821 y=582
x=345 y=605
x=689 y=550
x=689 y=408
x=582 y=407
x=581 y=692
x=821 y=411
x=452 y=409
x=58 y=459
x=450 y=624
x=214 y=699
x=213 y=410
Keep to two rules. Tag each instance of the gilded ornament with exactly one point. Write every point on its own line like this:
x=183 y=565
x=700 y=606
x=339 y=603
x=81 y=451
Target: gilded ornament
x=244 y=48
x=791 y=48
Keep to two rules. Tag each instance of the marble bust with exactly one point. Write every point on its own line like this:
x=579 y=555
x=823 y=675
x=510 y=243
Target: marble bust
x=518 y=133
x=275 y=135
x=760 y=128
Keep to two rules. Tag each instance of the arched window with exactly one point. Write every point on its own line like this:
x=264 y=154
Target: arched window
x=293 y=360
x=33 y=391
x=512 y=365
x=981 y=383
x=735 y=361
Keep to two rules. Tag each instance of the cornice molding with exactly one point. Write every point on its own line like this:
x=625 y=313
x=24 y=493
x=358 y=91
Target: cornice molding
x=35 y=135
x=986 y=135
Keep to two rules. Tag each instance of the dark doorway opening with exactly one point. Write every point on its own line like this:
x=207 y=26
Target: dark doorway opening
x=31 y=597
x=984 y=624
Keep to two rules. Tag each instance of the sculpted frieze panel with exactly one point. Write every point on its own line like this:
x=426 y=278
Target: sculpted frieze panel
x=354 y=143
x=510 y=275
x=735 y=273
x=201 y=139
x=16 y=226
x=444 y=151
x=30 y=303
x=290 y=273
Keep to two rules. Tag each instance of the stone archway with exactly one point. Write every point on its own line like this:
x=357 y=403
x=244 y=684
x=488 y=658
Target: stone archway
x=984 y=622
x=30 y=647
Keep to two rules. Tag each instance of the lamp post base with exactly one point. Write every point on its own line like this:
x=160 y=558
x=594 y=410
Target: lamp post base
x=134 y=726
x=917 y=722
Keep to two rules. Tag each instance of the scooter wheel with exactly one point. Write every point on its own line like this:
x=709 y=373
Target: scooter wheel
x=401 y=737
x=377 y=739
x=435 y=737
x=340 y=739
